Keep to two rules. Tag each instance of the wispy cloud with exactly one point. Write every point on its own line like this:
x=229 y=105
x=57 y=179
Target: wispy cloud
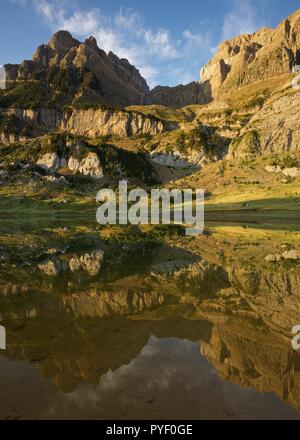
x=242 y=19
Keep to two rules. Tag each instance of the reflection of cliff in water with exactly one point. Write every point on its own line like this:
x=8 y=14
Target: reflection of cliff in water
x=102 y=282
x=240 y=311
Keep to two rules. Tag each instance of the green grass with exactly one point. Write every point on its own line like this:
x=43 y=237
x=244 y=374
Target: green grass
x=25 y=94
x=163 y=113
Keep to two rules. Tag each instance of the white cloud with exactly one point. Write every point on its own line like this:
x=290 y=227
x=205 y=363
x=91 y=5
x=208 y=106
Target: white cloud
x=196 y=39
x=149 y=71
x=241 y=20
x=160 y=43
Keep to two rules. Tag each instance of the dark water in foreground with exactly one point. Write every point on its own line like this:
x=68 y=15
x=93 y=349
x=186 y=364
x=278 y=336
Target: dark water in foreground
x=200 y=330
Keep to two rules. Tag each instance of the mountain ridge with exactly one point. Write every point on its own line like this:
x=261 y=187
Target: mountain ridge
x=81 y=72
x=244 y=107
x=71 y=71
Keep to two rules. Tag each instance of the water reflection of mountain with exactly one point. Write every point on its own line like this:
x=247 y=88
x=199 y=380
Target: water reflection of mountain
x=99 y=282
x=78 y=315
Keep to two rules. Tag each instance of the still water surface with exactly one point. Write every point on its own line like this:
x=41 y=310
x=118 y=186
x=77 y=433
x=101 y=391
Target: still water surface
x=103 y=330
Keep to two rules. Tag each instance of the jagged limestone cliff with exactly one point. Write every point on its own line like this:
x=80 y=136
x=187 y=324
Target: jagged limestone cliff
x=247 y=59
x=70 y=71
x=21 y=124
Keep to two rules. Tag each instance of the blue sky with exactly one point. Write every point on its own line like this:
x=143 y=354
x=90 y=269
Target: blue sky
x=168 y=40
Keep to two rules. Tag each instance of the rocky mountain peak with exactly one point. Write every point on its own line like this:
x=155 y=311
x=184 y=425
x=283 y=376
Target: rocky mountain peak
x=62 y=42
x=72 y=72
x=92 y=43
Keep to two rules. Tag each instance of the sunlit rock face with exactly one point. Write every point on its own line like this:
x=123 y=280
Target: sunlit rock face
x=90 y=122
x=49 y=161
x=239 y=62
x=91 y=263
x=248 y=58
x=63 y=158
x=101 y=122
x=272 y=129
x=90 y=166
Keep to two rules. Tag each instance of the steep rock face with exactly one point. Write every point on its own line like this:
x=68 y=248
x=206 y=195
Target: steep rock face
x=178 y=160
x=275 y=128
x=244 y=60
x=74 y=71
x=91 y=303
x=45 y=118
x=249 y=58
x=179 y=96
x=90 y=122
x=10 y=138
x=93 y=123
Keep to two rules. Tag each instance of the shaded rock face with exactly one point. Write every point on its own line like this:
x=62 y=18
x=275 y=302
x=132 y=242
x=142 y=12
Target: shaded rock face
x=274 y=296
x=265 y=363
x=180 y=96
x=46 y=118
x=249 y=58
x=96 y=76
x=178 y=160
